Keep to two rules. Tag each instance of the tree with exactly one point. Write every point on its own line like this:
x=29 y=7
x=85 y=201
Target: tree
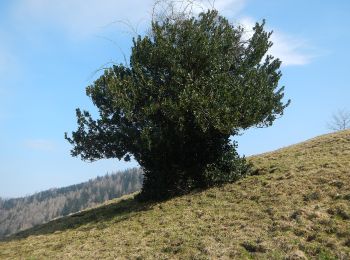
x=191 y=84
x=340 y=120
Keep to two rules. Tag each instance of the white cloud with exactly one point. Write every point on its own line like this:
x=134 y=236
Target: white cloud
x=80 y=18
x=227 y=8
x=230 y=8
x=224 y=6
x=39 y=144
x=290 y=49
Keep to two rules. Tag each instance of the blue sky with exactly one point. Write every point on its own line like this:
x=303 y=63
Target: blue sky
x=51 y=50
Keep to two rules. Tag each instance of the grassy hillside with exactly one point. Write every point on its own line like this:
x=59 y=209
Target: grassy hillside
x=296 y=206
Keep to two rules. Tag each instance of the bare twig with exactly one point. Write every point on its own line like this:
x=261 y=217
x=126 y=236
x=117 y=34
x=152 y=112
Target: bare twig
x=101 y=68
x=340 y=120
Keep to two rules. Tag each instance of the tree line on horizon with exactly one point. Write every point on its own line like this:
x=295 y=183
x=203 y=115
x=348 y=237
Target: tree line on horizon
x=18 y=214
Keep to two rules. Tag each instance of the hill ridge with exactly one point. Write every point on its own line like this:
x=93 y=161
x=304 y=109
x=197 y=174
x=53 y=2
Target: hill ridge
x=303 y=142
x=22 y=213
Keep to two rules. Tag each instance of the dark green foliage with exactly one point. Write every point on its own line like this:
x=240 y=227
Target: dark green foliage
x=190 y=86
x=230 y=167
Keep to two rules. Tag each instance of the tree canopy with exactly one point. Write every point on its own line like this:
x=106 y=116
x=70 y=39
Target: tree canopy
x=192 y=83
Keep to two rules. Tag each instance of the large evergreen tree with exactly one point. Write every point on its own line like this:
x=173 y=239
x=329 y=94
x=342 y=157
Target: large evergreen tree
x=192 y=83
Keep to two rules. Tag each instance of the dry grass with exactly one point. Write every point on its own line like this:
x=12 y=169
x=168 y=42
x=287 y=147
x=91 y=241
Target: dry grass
x=296 y=206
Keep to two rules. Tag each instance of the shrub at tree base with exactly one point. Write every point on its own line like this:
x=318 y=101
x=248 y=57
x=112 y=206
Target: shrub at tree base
x=192 y=83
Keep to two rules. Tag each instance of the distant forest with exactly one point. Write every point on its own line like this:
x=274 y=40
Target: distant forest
x=22 y=213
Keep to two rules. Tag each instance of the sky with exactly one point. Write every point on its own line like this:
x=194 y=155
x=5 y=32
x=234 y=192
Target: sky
x=51 y=50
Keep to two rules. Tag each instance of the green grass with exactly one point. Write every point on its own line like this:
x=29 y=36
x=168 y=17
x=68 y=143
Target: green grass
x=295 y=206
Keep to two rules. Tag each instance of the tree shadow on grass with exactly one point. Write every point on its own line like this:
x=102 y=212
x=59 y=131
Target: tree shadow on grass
x=120 y=210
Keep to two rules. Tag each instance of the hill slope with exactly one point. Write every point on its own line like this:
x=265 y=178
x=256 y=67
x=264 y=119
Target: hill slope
x=297 y=205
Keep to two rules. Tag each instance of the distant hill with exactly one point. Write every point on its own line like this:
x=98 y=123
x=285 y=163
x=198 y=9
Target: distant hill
x=295 y=206
x=22 y=213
